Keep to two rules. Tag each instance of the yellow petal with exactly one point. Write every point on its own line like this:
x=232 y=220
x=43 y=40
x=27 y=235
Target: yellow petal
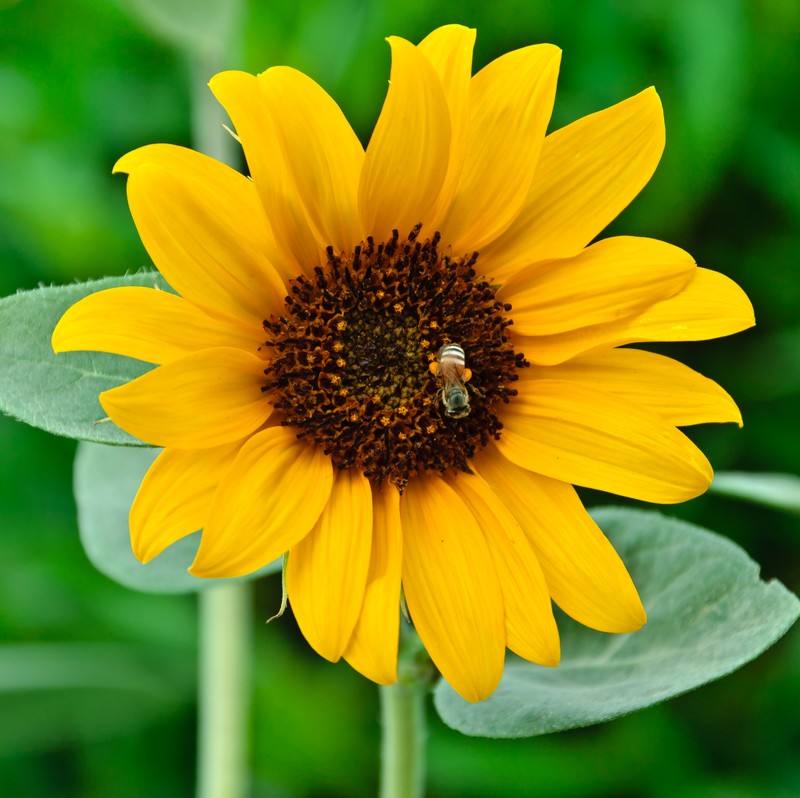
x=269 y=500
x=531 y=629
x=203 y=226
x=327 y=570
x=578 y=434
x=449 y=50
x=321 y=157
x=675 y=392
x=407 y=156
x=452 y=589
x=710 y=306
x=205 y=399
x=372 y=650
x=243 y=99
x=584 y=574
x=175 y=496
x=150 y=325
x=511 y=100
x=587 y=173
x=610 y=280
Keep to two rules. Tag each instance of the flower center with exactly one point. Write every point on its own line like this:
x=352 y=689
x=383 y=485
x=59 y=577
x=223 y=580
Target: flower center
x=393 y=359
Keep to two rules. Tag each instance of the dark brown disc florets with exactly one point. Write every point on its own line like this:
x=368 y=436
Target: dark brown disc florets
x=351 y=356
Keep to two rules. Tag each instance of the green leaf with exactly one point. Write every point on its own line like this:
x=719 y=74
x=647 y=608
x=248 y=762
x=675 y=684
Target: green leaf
x=58 y=393
x=781 y=491
x=68 y=666
x=105 y=482
x=708 y=614
x=72 y=693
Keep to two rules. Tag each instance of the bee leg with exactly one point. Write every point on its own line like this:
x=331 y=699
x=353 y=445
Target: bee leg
x=433 y=367
x=467 y=375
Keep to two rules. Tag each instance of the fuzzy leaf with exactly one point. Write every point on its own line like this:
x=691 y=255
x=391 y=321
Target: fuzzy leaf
x=71 y=694
x=708 y=614
x=58 y=393
x=105 y=482
x=781 y=491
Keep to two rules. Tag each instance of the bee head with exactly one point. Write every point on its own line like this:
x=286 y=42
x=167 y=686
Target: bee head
x=456 y=402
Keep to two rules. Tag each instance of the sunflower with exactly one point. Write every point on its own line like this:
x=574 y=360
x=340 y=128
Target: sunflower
x=394 y=364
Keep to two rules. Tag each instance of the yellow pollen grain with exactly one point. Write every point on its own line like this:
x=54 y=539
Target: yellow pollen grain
x=398 y=307
x=386 y=421
x=402 y=410
x=341 y=362
x=341 y=325
x=338 y=346
x=402 y=436
x=380 y=293
x=425 y=343
x=353 y=416
x=335 y=379
x=434 y=325
x=430 y=429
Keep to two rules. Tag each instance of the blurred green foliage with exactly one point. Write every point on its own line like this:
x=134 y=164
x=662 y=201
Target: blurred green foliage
x=97 y=687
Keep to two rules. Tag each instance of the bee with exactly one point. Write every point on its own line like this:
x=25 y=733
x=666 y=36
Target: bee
x=449 y=367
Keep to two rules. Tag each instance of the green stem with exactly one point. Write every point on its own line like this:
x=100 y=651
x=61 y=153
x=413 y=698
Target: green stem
x=224 y=691
x=209 y=135
x=225 y=612
x=403 y=744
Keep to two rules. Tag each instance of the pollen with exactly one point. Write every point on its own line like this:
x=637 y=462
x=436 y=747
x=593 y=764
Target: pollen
x=383 y=310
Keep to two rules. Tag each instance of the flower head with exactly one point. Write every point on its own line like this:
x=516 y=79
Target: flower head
x=394 y=364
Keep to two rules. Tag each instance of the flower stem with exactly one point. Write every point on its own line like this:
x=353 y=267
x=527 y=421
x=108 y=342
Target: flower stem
x=225 y=646
x=403 y=744
x=403 y=720
x=224 y=691
x=209 y=135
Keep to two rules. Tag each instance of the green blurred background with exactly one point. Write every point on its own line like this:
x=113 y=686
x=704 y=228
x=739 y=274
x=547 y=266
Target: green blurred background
x=97 y=682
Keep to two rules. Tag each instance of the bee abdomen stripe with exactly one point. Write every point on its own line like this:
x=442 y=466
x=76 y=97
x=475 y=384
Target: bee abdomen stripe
x=453 y=353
